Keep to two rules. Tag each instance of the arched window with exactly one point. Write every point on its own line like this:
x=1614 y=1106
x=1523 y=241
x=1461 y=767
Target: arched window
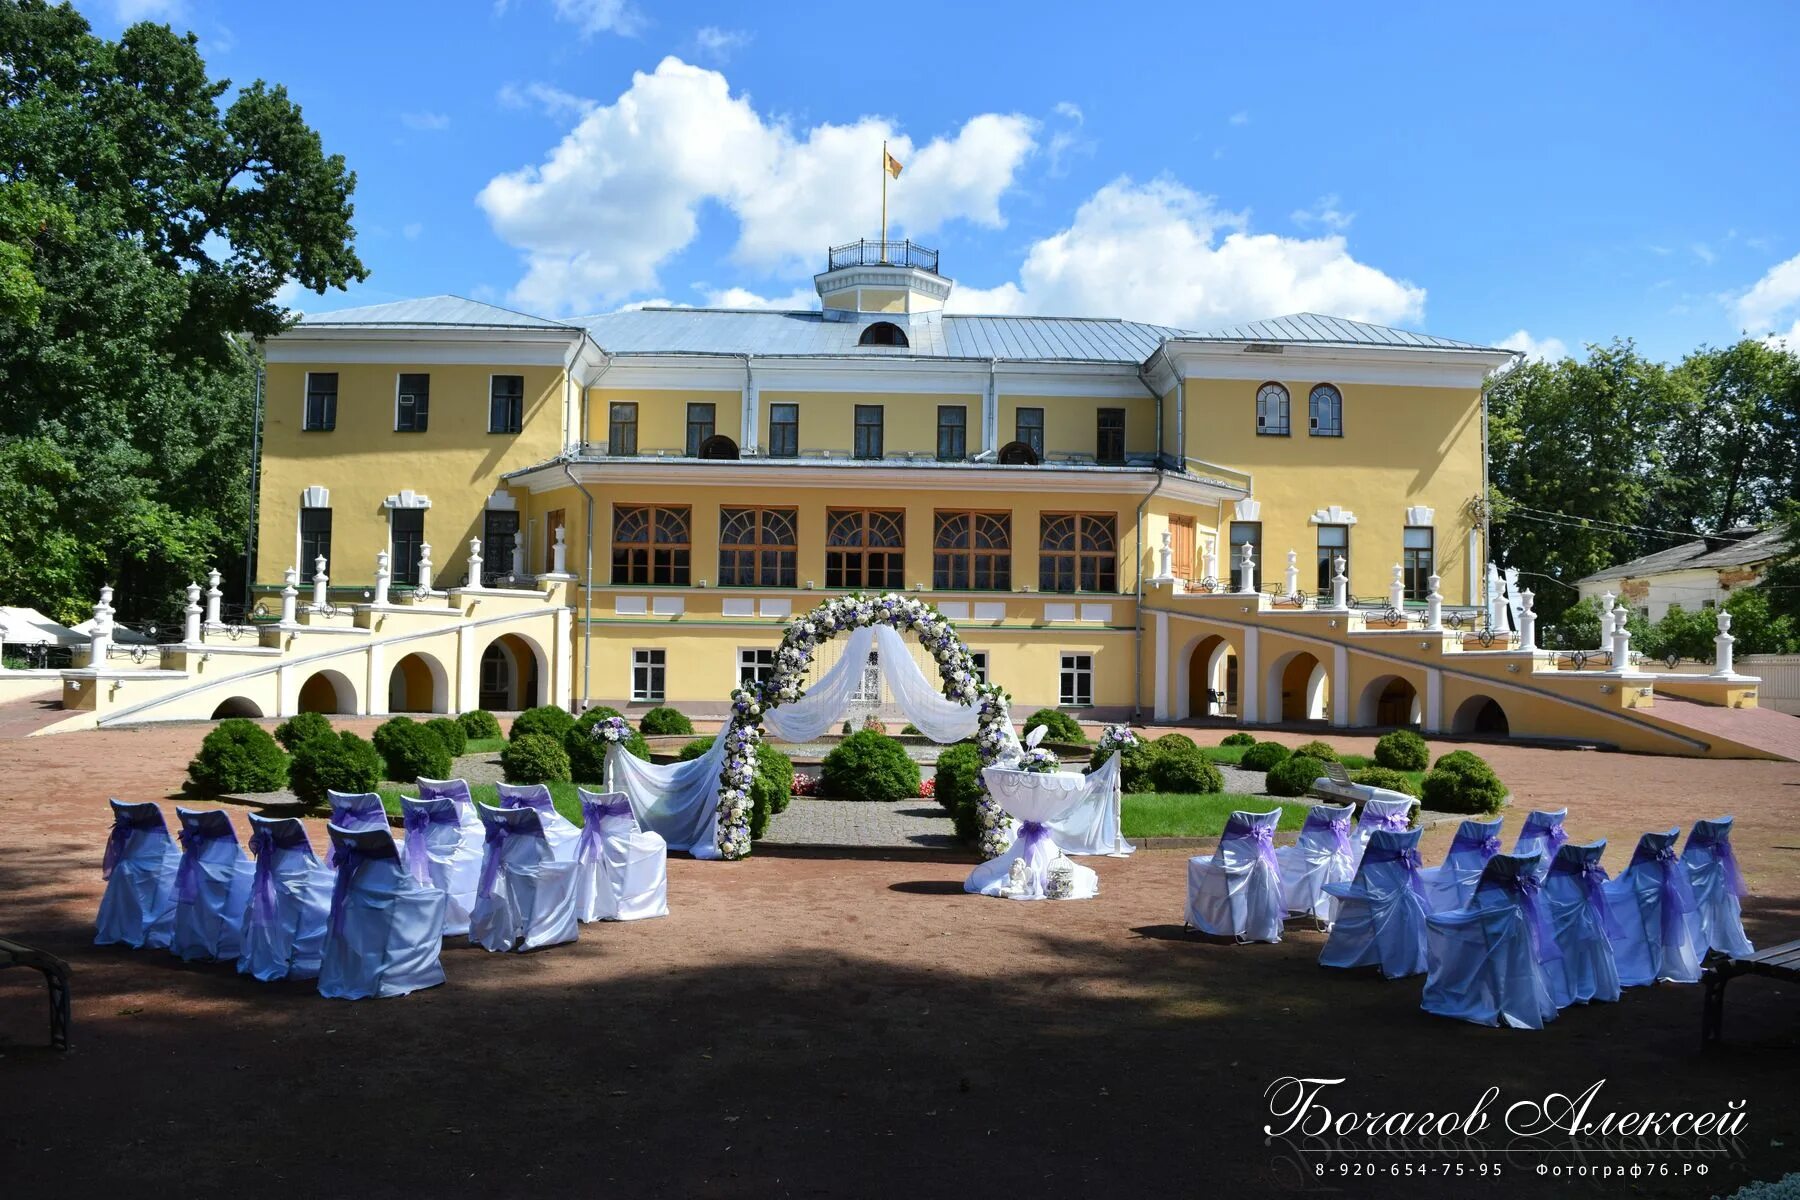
x=1272 y=410
x=718 y=446
x=1327 y=407
x=1018 y=454
x=883 y=333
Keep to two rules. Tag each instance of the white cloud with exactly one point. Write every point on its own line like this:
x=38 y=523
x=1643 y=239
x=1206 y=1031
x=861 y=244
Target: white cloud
x=593 y=17
x=719 y=44
x=552 y=100
x=1539 y=349
x=425 y=121
x=128 y=12
x=1777 y=293
x=1240 y=118
x=736 y=297
x=1067 y=142
x=1326 y=212
x=411 y=230
x=1161 y=252
x=1704 y=253
x=622 y=192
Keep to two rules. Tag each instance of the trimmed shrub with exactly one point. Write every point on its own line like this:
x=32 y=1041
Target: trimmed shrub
x=302 y=727
x=344 y=763
x=910 y=730
x=1263 y=756
x=1062 y=727
x=535 y=758
x=479 y=723
x=1385 y=777
x=411 y=750
x=1458 y=760
x=1323 y=751
x=1294 y=775
x=451 y=733
x=546 y=719
x=237 y=755
x=1402 y=750
x=587 y=757
x=869 y=766
x=1137 y=765
x=1181 y=767
x=1238 y=739
x=665 y=721
x=1172 y=741
x=695 y=749
x=775 y=774
x=958 y=783
x=1463 y=783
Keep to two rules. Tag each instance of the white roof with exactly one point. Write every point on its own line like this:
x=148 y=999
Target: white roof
x=28 y=626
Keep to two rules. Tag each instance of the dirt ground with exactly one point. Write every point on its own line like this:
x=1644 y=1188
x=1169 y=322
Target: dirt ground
x=802 y=1026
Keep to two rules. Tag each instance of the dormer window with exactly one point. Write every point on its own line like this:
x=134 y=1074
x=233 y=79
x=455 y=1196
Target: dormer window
x=883 y=333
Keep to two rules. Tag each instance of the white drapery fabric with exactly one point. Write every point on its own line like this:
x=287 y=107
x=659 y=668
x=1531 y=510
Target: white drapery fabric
x=678 y=800
x=810 y=716
x=1092 y=826
x=943 y=721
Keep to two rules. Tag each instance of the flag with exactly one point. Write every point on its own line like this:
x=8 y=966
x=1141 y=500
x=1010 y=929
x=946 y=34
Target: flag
x=893 y=164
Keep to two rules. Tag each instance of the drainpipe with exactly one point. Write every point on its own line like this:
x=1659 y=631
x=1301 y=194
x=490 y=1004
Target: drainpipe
x=1137 y=661
x=587 y=602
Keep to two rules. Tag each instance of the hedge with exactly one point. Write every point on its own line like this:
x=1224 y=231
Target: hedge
x=479 y=723
x=1060 y=725
x=534 y=758
x=1385 y=777
x=1181 y=767
x=1263 y=756
x=410 y=750
x=1402 y=750
x=1238 y=739
x=869 y=766
x=237 y=755
x=345 y=763
x=1323 y=751
x=1294 y=775
x=664 y=722
x=958 y=785
x=451 y=733
x=546 y=719
x=587 y=757
x=1462 y=782
x=302 y=727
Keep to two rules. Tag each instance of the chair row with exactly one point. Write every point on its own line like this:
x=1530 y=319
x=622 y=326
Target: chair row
x=370 y=920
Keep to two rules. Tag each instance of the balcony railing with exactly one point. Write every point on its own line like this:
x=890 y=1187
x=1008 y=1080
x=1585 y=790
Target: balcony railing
x=867 y=253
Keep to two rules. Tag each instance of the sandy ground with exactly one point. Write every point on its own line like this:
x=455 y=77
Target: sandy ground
x=848 y=1027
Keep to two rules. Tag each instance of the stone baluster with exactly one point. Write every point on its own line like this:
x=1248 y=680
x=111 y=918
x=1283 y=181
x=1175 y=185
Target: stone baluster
x=1621 y=643
x=213 y=596
x=559 y=555
x=1293 y=573
x=1527 y=621
x=1606 y=620
x=321 y=582
x=290 y=594
x=190 y=632
x=100 y=638
x=474 y=562
x=1434 y=606
x=1247 y=572
x=1397 y=590
x=424 y=568
x=1209 y=561
x=518 y=555
x=383 y=577
x=1165 y=557
x=1340 y=584
x=1722 y=664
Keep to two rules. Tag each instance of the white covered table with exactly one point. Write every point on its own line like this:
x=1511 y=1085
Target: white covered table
x=1036 y=800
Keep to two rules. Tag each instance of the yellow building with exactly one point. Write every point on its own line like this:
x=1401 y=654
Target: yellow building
x=702 y=475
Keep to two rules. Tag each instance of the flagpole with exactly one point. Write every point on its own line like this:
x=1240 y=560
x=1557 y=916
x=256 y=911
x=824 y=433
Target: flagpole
x=884 y=179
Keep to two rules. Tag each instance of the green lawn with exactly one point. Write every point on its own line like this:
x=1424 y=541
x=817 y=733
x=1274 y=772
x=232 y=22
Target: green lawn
x=1230 y=755
x=491 y=745
x=1164 y=814
x=567 y=802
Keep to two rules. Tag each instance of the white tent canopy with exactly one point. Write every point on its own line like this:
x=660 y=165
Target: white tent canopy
x=29 y=627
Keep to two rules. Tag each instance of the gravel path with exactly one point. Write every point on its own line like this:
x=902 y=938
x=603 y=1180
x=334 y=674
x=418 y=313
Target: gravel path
x=913 y=823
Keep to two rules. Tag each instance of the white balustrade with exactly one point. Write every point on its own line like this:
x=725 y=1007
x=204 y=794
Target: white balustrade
x=290 y=594
x=1527 y=620
x=1434 y=606
x=424 y=568
x=1722 y=664
x=1293 y=573
x=213 y=596
x=1247 y=572
x=383 y=577
x=1340 y=584
x=321 y=582
x=190 y=631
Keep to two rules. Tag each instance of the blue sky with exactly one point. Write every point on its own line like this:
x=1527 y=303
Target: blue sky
x=1539 y=173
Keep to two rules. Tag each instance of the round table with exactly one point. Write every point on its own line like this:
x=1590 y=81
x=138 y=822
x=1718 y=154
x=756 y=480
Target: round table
x=1035 y=799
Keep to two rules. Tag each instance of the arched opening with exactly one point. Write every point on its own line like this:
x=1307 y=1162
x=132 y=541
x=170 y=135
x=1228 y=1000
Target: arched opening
x=1389 y=700
x=510 y=674
x=418 y=684
x=237 y=706
x=1211 y=680
x=883 y=333
x=1018 y=454
x=718 y=446
x=1296 y=689
x=327 y=692
x=1481 y=715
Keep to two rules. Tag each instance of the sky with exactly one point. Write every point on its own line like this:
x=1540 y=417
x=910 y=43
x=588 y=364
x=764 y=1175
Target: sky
x=1534 y=175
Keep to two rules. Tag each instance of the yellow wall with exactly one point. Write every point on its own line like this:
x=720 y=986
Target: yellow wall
x=1071 y=422
x=909 y=420
x=662 y=415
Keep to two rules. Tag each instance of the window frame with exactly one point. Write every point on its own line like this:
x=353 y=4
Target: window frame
x=328 y=420
x=1030 y=435
x=976 y=561
x=614 y=425
x=958 y=431
x=1050 y=573
x=776 y=449
x=1409 y=565
x=1286 y=399
x=1232 y=579
x=1103 y=435
x=839 y=557
x=1322 y=561
x=786 y=555
x=307 y=561
x=405 y=564
x=879 y=425
x=651 y=665
x=695 y=437
x=978 y=663
x=756 y=664
x=679 y=567
x=514 y=421
x=420 y=413
x=1313 y=427
x=504 y=542
x=1075 y=671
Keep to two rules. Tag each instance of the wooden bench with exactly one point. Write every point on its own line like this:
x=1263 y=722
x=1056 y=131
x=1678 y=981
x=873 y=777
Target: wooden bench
x=1779 y=962
x=56 y=975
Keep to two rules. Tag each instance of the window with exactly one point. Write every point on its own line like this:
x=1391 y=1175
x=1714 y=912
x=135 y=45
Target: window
x=506 y=403
x=883 y=333
x=953 y=432
x=315 y=540
x=321 y=401
x=1078 y=552
x=971 y=550
x=699 y=427
x=979 y=660
x=1418 y=552
x=1077 y=681
x=1110 y=444
x=406 y=528
x=868 y=431
x=865 y=548
x=1030 y=430
x=756 y=547
x=1327 y=419
x=1272 y=410
x=412 y=411
x=651 y=544
x=784 y=430
x=1334 y=542
x=621 y=430
x=755 y=666
x=1245 y=533
x=497 y=529
x=648 y=668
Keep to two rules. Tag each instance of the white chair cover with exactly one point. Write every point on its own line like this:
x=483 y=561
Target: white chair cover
x=1237 y=892
x=1483 y=959
x=1092 y=825
x=1718 y=882
x=212 y=887
x=622 y=872
x=1322 y=854
x=678 y=801
x=561 y=832
x=1389 y=810
x=1542 y=835
x=809 y=717
x=526 y=897
x=1451 y=885
x=457 y=792
x=1381 y=913
x=1038 y=801
x=382 y=937
x=357 y=810
x=290 y=900
x=1659 y=925
x=1575 y=889
x=441 y=852
x=138 y=907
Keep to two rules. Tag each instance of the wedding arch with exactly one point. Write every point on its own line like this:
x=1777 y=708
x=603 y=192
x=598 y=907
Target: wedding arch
x=703 y=805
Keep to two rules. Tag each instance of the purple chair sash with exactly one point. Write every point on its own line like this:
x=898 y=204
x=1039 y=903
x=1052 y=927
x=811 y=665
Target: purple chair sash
x=1677 y=895
x=1592 y=877
x=1264 y=837
x=1398 y=822
x=187 y=875
x=115 y=846
x=1339 y=827
x=418 y=855
x=1488 y=844
x=490 y=861
x=1537 y=919
x=587 y=849
x=262 y=881
x=1721 y=848
x=347 y=864
x=1407 y=857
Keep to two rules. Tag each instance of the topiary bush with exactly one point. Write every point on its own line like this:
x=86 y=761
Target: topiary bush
x=910 y=730
x=1173 y=741
x=694 y=749
x=958 y=780
x=451 y=733
x=479 y=723
x=1294 y=775
x=587 y=757
x=1402 y=750
x=1137 y=765
x=546 y=719
x=1385 y=777
x=869 y=766
x=1181 y=767
x=665 y=722
x=1238 y=739
x=534 y=758
x=1458 y=760
x=775 y=774
x=1323 y=751
x=344 y=763
x=302 y=727
x=1263 y=756
x=1462 y=782
x=1062 y=727
x=237 y=755
x=410 y=750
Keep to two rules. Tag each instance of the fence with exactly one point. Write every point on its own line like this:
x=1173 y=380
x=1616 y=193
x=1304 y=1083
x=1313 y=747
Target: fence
x=1780 y=674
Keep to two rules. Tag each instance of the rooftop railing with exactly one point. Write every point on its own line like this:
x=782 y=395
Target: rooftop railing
x=876 y=253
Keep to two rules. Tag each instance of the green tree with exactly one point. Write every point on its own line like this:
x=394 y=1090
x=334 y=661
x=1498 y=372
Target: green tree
x=1730 y=438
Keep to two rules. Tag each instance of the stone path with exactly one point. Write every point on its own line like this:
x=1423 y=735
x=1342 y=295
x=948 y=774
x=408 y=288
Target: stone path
x=918 y=824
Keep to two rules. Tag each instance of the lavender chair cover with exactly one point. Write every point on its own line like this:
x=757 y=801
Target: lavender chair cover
x=141 y=860
x=1323 y=853
x=1237 y=892
x=1575 y=888
x=441 y=852
x=1483 y=959
x=457 y=792
x=382 y=936
x=1451 y=885
x=212 y=887
x=622 y=872
x=1718 y=884
x=290 y=899
x=1652 y=903
x=562 y=833
x=1390 y=810
x=1542 y=835
x=526 y=897
x=353 y=810
x=1381 y=913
